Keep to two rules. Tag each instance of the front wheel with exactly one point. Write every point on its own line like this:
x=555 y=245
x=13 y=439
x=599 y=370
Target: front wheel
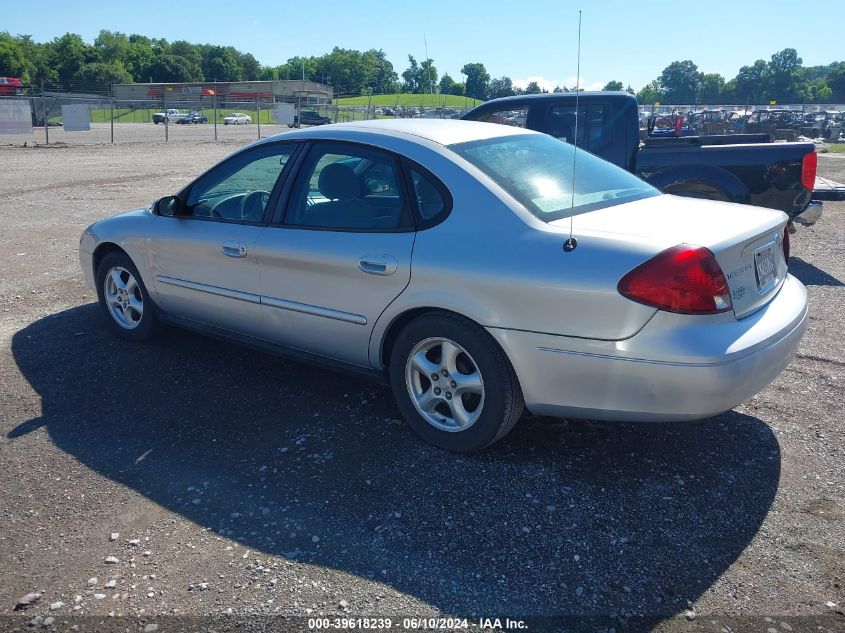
x=124 y=298
x=453 y=383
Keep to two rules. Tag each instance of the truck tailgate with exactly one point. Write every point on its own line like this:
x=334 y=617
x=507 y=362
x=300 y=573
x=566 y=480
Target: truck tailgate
x=828 y=191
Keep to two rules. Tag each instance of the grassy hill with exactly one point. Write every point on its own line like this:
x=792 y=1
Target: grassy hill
x=411 y=100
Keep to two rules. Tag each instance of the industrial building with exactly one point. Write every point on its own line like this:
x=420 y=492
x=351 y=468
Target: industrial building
x=223 y=93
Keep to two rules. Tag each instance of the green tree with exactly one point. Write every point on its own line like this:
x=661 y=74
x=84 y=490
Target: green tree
x=250 y=68
x=138 y=59
x=221 y=63
x=170 y=69
x=100 y=75
x=191 y=56
x=613 y=85
x=112 y=46
x=501 y=87
x=268 y=73
x=650 y=93
x=711 y=88
x=533 y=88
x=818 y=91
x=419 y=78
x=786 y=79
x=478 y=80
x=836 y=82
x=679 y=82
x=13 y=62
x=751 y=84
x=379 y=72
x=67 y=54
x=447 y=84
x=410 y=76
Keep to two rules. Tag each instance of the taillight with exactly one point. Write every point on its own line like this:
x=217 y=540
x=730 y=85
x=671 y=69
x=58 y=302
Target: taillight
x=808 y=170
x=685 y=279
x=786 y=245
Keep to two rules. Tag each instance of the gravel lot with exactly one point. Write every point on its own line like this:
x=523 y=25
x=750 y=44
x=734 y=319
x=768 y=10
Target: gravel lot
x=240 y=483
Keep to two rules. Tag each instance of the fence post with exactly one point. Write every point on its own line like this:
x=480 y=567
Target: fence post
x=44 y=112
x=112 y=114
x=214 y=104
x=258 y=114
x=166 y=129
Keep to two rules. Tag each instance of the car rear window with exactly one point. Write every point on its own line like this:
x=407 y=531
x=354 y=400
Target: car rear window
x=537 y=170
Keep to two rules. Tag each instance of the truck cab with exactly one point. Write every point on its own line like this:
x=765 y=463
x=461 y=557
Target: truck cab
x=743 y=168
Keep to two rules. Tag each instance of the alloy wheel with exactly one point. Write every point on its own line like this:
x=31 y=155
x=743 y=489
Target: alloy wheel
x=123 y=297
x=445 y=384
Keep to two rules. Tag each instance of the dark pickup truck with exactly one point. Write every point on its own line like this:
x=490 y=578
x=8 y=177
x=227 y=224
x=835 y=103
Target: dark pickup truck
x=745 y=168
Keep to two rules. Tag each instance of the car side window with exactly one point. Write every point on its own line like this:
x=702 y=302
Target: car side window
x=513 y=116
x=239 y=188
x=344 y=186
x=430 y=201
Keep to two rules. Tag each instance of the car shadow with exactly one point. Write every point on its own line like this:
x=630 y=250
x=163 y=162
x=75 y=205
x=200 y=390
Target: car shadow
x=560 y=518
x=809 y=275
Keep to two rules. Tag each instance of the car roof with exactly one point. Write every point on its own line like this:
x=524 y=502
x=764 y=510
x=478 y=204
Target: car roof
x=440 y=131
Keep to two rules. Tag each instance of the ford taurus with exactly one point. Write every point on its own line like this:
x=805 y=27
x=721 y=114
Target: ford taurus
x=481 y=269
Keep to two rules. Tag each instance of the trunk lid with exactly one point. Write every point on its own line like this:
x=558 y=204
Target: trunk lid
x=746 y=241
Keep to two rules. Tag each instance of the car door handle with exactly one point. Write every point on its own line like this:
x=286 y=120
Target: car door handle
x=378 y=264
x=233 y=249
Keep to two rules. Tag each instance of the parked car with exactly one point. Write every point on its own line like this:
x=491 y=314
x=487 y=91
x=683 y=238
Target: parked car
x=734 y=168
x=594 y=296
x=237 y=118
x=194 y=117
x=169 y=116
x=826 y=124
x=780 y=123
x=310 y=117
x=709 y=122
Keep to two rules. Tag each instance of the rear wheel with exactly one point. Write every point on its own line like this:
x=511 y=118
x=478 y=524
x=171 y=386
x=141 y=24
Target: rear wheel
x=124 y=298
x=453 y=384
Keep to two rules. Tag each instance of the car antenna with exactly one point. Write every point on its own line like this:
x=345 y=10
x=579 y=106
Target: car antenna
x=570 y=244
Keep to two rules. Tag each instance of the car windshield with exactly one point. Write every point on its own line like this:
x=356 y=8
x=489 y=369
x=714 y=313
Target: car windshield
x=537 y=171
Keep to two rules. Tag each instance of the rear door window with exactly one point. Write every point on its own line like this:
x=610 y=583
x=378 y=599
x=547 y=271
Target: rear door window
x=515 y=117
x=594 y=125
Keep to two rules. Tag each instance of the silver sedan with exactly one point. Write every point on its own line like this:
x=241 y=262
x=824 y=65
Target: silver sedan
x=481 y=269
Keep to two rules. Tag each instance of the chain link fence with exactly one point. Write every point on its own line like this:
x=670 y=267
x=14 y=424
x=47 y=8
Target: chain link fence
x=94 y=113
x=42 y=114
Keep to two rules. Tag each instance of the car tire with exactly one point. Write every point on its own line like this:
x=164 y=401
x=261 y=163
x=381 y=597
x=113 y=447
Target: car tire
x=487 y=406
x=119 y=288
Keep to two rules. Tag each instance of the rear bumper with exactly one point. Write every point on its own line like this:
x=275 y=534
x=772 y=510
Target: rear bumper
x=678 y=367
x=810 y=215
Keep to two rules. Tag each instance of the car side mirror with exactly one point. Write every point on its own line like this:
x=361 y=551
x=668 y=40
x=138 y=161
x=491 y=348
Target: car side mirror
x=171 y=206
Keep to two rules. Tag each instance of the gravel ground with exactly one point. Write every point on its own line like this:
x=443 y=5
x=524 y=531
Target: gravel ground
x=190 y=477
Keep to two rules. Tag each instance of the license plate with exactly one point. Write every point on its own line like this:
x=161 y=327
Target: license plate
x=764 y=261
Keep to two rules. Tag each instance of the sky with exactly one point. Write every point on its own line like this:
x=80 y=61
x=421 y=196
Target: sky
x=624 y=40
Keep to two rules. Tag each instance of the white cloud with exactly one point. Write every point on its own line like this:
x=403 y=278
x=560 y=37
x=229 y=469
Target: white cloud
x=550 y=84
